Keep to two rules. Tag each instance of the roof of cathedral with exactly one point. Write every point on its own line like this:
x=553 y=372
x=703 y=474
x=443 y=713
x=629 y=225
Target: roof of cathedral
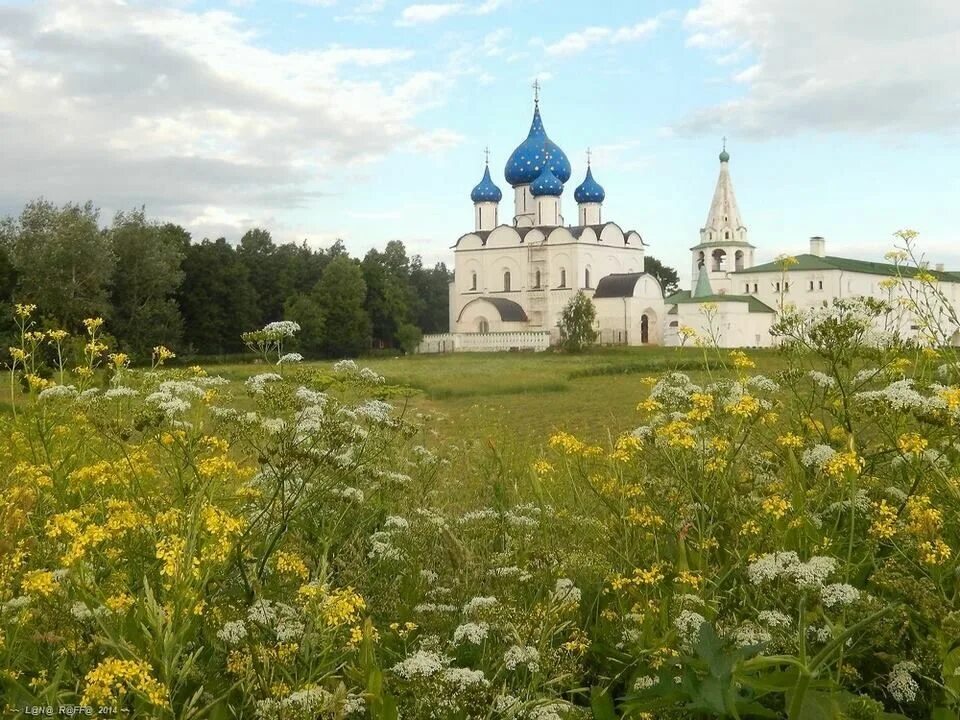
x=684 y=296
x=547 y=184
x=724 y=213
x=575 y=230
x=617 y=285
x=703 y=288
x=807 y=261
x=589 y=190
x=530 y=157
x=486 y=190
x=508 y=310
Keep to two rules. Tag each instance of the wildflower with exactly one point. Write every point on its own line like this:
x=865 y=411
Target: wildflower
x=901 y=686
x=542 y=468
x=934 y=552
x=911 y=443
x=473 y=633
x=745 y=406
x=884 y=525
x=565 y=592
x=923 y=520
x=790 y=440
x=422 y=664
x=518 y=655
x=774 y=619
x=578 y=643
x=479 y=603
x=840 y=594
x=93 y=324
x=120 y=602
x=839 y=463
x=644 y=517
x=38 y=582
x=290 y=358
x=24 y=310
x=233 y=632
x=688 y=625
x=292 y=565
x=776 y=506
x=106 y=681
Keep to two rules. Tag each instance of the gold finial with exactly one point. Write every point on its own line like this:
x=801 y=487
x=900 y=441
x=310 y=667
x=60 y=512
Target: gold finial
x=536 y=91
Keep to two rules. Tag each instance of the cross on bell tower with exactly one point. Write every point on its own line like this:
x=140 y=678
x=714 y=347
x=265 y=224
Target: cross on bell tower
x=536 y=91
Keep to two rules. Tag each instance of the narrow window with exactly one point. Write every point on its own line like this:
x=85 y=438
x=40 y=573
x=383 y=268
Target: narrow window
x=754 y=287
x=537 y=279
x=473 y=277
x=821 y=285
x=586 y=278
x=563 y=278
x=506 y=281
x=747 y=288
x=786 y=287
x=811 y=284
x=726 y=235
x=778 y=287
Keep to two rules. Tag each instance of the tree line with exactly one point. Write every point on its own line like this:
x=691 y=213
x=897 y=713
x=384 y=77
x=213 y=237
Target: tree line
x=154 y=285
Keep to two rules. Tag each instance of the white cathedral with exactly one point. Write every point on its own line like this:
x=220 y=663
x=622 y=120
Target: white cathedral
x=513 y=276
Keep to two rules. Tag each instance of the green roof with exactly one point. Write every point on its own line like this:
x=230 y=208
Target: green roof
x=814 y=262
x=754 y=305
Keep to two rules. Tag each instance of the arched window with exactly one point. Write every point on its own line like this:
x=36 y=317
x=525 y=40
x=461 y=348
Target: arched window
x=726 y=235
x=719 y=260
x=536 y=279
x=700 y=260
x=483 y=326
x=644 y=329
x=563 y=277
x=586 y=278
x=506 y=281
x=473 y=281
x=738 y=260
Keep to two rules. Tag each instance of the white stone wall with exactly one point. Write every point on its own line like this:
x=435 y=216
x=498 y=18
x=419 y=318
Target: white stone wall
x=487 y=342
x=732 y=325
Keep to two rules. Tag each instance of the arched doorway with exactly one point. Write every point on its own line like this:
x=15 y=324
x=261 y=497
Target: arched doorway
x=644 y=329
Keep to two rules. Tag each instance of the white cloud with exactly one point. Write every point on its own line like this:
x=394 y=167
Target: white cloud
x=188 y=112
x=493 y=43
x=423 y=13
x=362 y=12
x=880 y=66
x=437 y=141
x=577 y=42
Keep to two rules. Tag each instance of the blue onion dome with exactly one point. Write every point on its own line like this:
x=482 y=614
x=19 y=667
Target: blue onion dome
x=589 y=191
x=546 y=184
x=486 y=191
x=528 y=160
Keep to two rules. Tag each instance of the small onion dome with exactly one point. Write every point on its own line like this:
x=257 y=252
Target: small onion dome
x=724 y=156
x=486 y=191
x=546 y=184
x=528 y=160
x=589 y=191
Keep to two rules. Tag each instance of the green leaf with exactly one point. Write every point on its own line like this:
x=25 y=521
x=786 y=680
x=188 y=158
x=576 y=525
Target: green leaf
x=818 y=706
x=602 y=704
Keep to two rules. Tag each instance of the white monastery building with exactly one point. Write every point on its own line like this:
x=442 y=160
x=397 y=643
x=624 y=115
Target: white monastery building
x=515 y=272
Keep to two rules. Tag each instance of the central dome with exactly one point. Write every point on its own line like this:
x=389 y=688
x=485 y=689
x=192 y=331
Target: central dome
x=529 y=159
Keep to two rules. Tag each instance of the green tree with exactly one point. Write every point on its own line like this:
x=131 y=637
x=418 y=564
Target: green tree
x=665 y=275
x=303 y=308
x=143 y=293
x=576 y=323
x=217 y=299
x=409 y=337
x=391 y=300
x=432 y=288
x=64 y=263
x=340 y=295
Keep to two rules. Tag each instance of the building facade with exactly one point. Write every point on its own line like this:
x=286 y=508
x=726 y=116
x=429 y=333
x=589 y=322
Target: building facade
x=520 y=265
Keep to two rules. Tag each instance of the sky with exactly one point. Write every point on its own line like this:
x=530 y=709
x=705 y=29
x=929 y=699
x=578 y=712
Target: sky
x=367 y=120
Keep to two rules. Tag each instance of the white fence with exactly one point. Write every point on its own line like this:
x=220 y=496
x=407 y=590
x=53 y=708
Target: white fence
x=485 y=342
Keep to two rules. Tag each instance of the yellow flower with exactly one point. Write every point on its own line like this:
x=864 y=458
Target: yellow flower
x=119 y=360
x=292 y=564
x=161 y=354
x=39 y=582
x=685 y=577
x=790 y=440
x=645 y=518
x=884 y=525
x=750 y=527
x=776 y=506
x=935 y=552
x=578 y=643
x=741 y=361
x=911 y=443
x=106 y=683
x=746 y=406
x=922 y=519
x=120 y=603
x=840 y=462
x=92 y=324
x=24 y=310
x=542 y=468
x=649 y=405
x=702 y=406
